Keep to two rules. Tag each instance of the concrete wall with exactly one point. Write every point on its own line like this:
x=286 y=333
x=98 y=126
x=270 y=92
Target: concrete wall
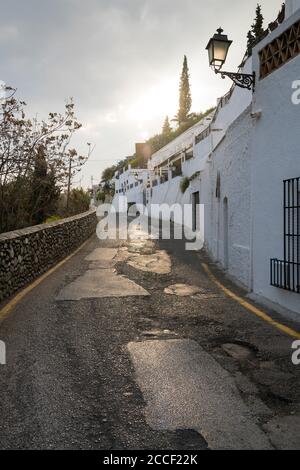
x=25 y=254
x=276 y=156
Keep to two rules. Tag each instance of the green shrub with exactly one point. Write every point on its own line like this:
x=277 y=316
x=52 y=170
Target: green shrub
x=100 y=196
x=184 y=184
x=52 y=218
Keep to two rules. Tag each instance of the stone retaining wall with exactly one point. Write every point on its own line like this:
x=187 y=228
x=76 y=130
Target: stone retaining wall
x=26 y=254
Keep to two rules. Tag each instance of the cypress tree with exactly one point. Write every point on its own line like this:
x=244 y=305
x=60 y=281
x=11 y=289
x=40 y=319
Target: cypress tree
x=185 y=99
x=166 y=130
x=256 y=33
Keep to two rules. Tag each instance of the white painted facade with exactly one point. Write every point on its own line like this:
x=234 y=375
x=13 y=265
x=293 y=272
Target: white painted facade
x=276 y=157
x=247 y=147
x=180 y=145
x=227 y=221
x=131 y=183
x=291 y=7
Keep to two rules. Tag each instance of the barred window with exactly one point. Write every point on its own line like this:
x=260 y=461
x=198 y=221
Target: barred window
x=285 y=273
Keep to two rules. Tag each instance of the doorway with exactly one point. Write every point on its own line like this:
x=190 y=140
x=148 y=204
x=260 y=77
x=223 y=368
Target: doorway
x=225 y=232
x=196 y=211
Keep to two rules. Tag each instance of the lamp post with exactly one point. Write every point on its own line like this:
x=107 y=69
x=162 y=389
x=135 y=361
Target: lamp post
x=217 y=48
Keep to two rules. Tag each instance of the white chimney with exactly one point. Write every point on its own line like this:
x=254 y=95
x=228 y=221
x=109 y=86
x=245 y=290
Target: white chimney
x=290 y=7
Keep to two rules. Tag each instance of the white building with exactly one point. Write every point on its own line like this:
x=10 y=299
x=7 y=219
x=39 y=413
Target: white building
x=237 y=160
x=131 y=183
x=275 y=158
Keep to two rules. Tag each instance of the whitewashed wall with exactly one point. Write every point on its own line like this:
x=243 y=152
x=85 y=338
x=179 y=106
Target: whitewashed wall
x=276 y=156
x=232 y=160
x=127 y=178
x=170 y=193
x=291 y=6
x=227 y=151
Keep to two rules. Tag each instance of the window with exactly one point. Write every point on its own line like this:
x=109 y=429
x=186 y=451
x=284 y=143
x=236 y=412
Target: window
x=203 y=135
x=285 y=273
x=284 y=48
x=189 y=155
x=218 y=186
x=176 y=169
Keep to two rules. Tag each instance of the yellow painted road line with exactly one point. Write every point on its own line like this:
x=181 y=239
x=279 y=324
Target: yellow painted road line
x=259 y=313
x=6 y=310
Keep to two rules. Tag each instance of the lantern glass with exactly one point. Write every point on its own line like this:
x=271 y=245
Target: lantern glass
x=210 y=49
x=217 y=49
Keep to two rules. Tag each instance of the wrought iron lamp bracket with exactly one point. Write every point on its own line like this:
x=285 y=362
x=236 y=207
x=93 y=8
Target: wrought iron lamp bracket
x=242 y=80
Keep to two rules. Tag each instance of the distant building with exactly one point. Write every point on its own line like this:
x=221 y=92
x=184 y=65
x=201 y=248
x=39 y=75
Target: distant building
x=131 y=183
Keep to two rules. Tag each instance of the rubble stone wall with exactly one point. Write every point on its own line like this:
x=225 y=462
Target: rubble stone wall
x=26 y=254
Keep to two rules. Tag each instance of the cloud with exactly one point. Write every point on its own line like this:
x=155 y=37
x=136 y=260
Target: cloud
x=119 y=59
x=8 y=33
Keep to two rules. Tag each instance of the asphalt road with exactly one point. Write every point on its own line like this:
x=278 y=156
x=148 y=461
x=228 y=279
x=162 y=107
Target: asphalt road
x=72 y=380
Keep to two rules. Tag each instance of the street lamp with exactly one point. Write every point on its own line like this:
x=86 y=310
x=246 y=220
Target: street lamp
x=217 y=48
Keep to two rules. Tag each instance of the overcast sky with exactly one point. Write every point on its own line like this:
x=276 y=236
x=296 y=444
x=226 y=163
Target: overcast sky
x=120 y=60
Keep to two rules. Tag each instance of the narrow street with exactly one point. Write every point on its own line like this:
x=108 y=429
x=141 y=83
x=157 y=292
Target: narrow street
x=101 y=356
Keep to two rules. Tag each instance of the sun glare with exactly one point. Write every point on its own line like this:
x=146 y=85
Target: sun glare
x=156 y=102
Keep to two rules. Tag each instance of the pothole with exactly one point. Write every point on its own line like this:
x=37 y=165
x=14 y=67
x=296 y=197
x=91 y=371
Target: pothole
x=158 y=263
x=136 y=249
x=279 y=384
x=219 y=342
x=182 y=290
x=279 y=397
x=146 y=320
x=146 y=247
x=157 y=333
x=238 y=351
x=186 y=439
x=210 y=296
